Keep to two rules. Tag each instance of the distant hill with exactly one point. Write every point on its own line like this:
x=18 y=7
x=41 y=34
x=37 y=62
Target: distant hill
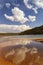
x=37 y=30
x=8 y=34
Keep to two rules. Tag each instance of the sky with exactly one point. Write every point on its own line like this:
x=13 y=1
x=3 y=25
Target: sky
x=20 y=15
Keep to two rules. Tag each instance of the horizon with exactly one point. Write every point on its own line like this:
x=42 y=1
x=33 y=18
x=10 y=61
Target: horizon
x=20 y=31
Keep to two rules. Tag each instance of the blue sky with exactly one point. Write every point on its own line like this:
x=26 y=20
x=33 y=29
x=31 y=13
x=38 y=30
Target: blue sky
x=20 y=15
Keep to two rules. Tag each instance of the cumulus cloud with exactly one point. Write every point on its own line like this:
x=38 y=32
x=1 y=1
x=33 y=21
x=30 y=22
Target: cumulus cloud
x=9 y=17
x=8 y=5
x=13 y=28
x=36 y=4
x=18 y=15
x=32 y=18
x=28 y=5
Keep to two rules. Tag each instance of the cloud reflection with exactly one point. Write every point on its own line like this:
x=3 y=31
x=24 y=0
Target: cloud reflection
x=34 y=50
x=18 y=55
x=15 y=42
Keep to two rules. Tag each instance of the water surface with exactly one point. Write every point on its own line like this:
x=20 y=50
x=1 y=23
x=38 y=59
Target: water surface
x=21 y=51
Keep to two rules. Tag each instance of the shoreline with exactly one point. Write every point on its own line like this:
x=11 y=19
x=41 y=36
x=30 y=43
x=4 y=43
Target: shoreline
x=33 y=39
x=8 y=41
x=22 y=38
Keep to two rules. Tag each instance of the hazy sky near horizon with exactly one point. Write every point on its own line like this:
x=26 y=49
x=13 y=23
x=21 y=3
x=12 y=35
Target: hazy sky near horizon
x=20 y=15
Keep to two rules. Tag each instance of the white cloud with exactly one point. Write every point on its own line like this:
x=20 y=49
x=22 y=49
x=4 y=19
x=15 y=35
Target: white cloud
x=18 y=15
x=35 y=10
x=8 y=5
x=27 y=5
x=30 y=6
x=32 y=18
x=13 y=28
x=37 y=4
x=9 y=17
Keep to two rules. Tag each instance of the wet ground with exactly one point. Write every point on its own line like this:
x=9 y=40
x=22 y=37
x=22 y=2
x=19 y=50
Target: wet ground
x=21 y=51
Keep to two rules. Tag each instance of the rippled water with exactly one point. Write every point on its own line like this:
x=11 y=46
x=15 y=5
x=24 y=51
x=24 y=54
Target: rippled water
x=21 y=51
